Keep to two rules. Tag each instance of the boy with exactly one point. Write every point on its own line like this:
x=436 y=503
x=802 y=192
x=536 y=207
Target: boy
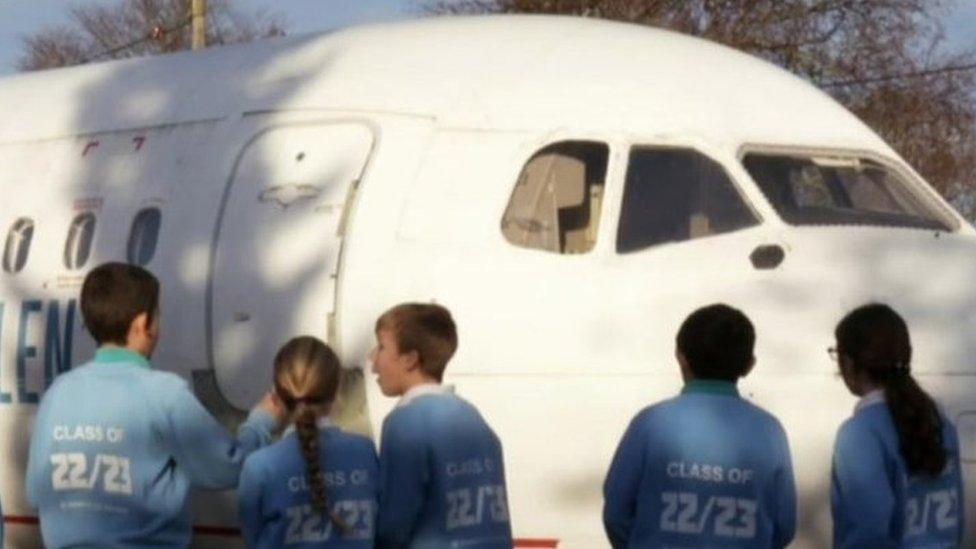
x=116 y=446
x=442 y=479
x=706 y=468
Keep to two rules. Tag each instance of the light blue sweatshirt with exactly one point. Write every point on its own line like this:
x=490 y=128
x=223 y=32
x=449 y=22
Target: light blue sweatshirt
x=704 y=469
x=115 y=448
x=442 y=477
x=274 y=502
x=875 y=503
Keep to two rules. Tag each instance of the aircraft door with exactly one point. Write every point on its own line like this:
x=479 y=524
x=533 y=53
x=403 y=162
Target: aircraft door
x=277 y=248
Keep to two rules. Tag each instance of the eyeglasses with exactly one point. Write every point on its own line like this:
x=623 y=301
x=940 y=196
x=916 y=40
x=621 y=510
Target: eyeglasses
x=832 y=353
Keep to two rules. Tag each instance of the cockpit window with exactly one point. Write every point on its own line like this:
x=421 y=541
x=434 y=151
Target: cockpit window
x=673 y=195
x=558 y=198
x=824 y=190
x=143 y=236
x=17 y=247
x=77 y=247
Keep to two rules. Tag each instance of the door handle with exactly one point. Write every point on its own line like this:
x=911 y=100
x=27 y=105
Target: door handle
x=286 y=195
x=767 y=256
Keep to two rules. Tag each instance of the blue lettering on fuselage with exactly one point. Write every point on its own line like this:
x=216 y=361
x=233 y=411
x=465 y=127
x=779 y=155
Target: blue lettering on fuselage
x=58 y=343
x=25 y=351
x=57 y=355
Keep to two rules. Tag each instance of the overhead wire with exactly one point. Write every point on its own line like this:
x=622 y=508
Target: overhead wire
x=902 y=76
x=158 y=31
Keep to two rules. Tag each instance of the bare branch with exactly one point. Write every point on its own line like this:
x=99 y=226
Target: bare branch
x=883 y=59
x=132 y=28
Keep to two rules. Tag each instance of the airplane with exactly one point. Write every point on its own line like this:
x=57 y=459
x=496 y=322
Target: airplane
x=571 y=189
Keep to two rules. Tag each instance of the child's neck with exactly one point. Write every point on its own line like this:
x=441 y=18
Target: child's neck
x=127 y=347
x=418 y=381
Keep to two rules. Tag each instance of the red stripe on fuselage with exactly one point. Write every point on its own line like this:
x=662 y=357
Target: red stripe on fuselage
x=546 y=543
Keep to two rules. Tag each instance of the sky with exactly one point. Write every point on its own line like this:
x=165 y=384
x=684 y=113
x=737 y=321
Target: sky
x=21 y=17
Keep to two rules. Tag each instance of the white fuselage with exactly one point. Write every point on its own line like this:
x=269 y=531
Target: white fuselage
x=306 y=185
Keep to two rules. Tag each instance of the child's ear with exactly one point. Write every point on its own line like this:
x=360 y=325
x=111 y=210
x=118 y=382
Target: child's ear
x=683 y=365
x=139 y=325
x=413 y=360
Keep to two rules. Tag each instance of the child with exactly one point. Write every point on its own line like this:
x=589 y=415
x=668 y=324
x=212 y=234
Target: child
x=706 y=468
x=442 y=479
x=115 y=445
x=316 y=487
x=896 y=480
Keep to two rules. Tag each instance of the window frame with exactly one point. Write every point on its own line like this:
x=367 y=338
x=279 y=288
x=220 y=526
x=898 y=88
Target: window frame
x=73 y=264
x=10 y=232
x=129 y=256
x=916 y=185
x=730 y=171
x=530 y=150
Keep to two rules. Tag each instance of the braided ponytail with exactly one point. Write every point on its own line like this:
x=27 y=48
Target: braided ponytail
x=307 y=375
x=308 y=439
x=875 y=339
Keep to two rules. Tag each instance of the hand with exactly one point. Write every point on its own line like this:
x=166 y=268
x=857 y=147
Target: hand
x=271 y=404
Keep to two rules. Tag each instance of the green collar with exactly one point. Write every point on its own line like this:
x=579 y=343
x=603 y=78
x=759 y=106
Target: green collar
x=120 y=354
x=710 y=387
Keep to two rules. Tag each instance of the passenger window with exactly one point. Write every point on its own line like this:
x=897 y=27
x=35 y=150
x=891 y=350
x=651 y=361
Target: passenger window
x=673 y=195
x=77 y=247
x=18 y=243
x=143 y=236
x=558 y=198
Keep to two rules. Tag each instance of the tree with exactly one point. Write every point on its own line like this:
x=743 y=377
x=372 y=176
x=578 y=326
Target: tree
x=132 y=28
x=883 y=59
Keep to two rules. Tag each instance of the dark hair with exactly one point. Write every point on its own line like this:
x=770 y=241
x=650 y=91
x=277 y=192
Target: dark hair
x=875 y=339
x=717 y=341
x=426 y=328
x=306 y=379
x=112 y=296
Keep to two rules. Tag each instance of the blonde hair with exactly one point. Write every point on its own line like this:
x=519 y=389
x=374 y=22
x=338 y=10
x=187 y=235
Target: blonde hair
x=306 y=379
x=425 y=328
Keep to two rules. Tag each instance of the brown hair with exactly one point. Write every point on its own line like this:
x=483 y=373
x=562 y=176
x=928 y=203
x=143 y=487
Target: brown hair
x=425 y=328
x=306 y=379
x=112 y=296
x=875 y=338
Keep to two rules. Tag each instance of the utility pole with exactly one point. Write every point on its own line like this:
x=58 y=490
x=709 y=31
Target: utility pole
x=199 y=14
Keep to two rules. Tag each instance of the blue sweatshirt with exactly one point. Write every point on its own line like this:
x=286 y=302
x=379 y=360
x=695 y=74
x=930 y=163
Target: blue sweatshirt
x=704 y=469
x=875 y=503
x=442 y=478
x=275 y=505
x=115 y=448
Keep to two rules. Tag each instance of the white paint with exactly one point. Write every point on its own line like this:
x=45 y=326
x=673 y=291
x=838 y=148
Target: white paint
x=559 y=352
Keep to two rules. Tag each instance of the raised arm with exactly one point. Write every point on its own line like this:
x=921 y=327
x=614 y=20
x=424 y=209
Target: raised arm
x=203 y=448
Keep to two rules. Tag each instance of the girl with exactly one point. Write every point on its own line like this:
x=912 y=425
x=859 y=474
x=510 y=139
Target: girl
x=316 y=487
x=896 y=479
